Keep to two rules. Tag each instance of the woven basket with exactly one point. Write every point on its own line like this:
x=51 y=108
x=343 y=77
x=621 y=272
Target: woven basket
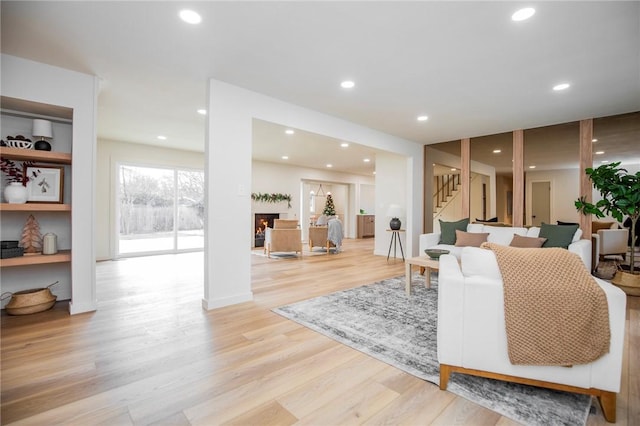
x=31 y=301
x=628 y=282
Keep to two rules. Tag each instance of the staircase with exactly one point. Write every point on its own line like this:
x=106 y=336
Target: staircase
x=446 y=187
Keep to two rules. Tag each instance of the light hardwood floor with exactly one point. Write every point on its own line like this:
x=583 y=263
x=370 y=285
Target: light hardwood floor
x=152 y=355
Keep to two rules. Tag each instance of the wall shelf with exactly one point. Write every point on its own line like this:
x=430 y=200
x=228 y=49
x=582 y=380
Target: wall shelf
x=35 y=207
x=37 y=259
x=35 y=155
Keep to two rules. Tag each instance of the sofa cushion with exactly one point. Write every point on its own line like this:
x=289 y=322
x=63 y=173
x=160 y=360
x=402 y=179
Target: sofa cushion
x=503 y=235
x=475 y=227
x=527 y=242
x=470 y=239
x=598 y=225
x=448 y=230
x=558 y=235
x=478 y=261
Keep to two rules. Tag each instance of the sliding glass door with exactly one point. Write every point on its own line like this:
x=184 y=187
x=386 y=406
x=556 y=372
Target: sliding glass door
x=159 y=210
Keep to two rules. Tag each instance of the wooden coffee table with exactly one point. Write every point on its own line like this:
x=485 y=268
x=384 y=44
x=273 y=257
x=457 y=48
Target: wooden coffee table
x=427 y=263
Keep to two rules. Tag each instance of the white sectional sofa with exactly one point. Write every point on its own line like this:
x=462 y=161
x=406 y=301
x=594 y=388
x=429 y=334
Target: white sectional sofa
x=472 y=337
x=503 y=235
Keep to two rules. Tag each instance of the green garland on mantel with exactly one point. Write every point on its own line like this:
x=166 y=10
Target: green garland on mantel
x=271 y=198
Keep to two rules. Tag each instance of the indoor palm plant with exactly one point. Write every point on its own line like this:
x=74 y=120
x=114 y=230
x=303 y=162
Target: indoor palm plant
x=620 y=191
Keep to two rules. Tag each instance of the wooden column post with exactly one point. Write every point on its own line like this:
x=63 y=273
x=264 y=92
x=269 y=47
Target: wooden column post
x=586 y=160
x=465 y=174
x=518 y=178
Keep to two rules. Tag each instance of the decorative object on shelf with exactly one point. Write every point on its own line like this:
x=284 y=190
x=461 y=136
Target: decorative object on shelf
x=42 y=129
x=619 y=190
x=45 y=183
x=15 y=172
x=30 y=301
x=18 y=141
x=271 y=198
x=31 y=239
x=435 y=253
x=49 y=243
x=10 y=249
x=394 y=212
x=362 y=211
x=15 y=193
x=329 y=207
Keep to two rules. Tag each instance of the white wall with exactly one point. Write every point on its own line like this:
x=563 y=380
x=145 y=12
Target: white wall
x=229 y=181
x=391 y=183
x=111 y=153
x=36 y=82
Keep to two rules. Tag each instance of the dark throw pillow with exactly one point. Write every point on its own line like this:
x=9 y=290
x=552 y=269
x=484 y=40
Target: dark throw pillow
x=448 y=230
x=493 y=219
x=557 y=235
x=527 y=242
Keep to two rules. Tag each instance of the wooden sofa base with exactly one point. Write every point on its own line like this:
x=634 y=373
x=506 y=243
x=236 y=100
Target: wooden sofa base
x=607 y=399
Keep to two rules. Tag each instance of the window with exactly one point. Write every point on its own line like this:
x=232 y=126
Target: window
x=160 y=210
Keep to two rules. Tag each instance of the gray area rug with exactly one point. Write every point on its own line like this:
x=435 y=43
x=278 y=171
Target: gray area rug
x=382 y=321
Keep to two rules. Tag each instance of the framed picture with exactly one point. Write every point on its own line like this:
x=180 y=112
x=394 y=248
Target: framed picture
x=45 y=183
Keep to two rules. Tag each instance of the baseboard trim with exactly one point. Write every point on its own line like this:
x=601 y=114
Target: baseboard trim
x=226 y=301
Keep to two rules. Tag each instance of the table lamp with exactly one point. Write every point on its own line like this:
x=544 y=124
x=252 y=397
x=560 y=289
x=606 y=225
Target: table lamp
x=394 y=212
x=42 y=129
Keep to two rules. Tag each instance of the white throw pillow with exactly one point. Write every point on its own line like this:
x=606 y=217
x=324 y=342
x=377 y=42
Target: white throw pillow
x=476 y=228
x=503 y=234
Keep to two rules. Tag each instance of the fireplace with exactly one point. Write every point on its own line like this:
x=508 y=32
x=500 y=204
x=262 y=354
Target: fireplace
x=262 y=221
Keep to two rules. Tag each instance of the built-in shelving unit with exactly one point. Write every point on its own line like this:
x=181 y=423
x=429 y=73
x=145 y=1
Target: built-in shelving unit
x=50 y=157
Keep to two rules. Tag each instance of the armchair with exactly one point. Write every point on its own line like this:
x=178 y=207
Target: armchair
x=318 y=237
x=326 y=236
x=609 y=242
x=284 y=237
x=472 y=336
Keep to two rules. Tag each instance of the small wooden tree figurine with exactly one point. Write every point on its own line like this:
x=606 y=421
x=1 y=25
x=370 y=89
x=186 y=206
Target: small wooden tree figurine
x=31 y=238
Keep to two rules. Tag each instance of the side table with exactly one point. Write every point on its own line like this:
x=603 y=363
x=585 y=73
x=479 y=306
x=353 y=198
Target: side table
x=424 y=261
x=395 y=239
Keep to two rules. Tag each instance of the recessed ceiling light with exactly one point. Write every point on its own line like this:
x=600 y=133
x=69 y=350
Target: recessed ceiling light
x=561 y=86
x=348 y=84
x=423 y=118
x=453 y=169
x=523 y=14
x=366 y=160
x=344 y=145
x=604 y=161
x=285 y=157
x=162 y=138
x=190 y=17
x=329 y=165
x=599 y=152
x=532 y=167
x=374 y=172
x=497 y=151
x=289 y=131
x=594 y=140
x=202 y=111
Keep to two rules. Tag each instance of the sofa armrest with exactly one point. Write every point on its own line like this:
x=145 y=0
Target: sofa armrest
x=450 y=311
x=428 y=240
x=583 y=249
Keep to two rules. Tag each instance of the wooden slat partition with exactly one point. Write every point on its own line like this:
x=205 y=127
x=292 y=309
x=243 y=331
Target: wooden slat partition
x=586 y=147
x=465 y=172
x=518 y=178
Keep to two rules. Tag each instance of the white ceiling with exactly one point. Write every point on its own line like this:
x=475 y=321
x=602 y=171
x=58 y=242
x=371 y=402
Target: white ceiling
x=466 y=65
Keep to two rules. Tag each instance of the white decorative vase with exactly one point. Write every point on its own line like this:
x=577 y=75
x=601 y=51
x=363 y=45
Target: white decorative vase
x=15 y=193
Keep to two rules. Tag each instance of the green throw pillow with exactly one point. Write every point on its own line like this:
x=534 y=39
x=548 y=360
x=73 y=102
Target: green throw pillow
x=448 y=230
x=557 y=235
